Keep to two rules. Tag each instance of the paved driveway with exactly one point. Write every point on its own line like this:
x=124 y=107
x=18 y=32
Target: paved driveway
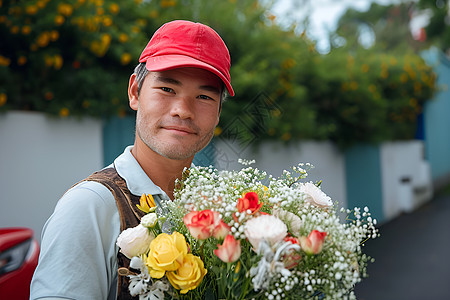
x=412 y=256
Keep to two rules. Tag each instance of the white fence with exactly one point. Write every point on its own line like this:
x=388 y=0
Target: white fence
x=406 y=177
x=274 y=157
x=40 y=158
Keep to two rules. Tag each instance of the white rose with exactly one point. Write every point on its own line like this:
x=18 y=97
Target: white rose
x=294 y=221
x=149 y=220
x=134 y=241
x=265 y=227
x=315 y=196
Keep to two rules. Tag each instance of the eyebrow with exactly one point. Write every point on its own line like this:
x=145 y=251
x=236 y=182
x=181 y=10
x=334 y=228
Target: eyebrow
x=209 y=88
x=168 y=80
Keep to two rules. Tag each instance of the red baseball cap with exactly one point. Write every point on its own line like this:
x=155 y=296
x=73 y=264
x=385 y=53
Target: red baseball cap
x=179 y=44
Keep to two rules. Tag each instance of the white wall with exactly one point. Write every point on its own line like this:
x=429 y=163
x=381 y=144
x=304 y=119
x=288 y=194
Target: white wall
x=274 y=157
x=40 y=158
x=406 y=177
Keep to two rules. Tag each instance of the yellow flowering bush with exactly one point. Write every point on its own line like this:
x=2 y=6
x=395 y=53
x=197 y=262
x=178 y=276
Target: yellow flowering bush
x=71 y=57
x=370 y=96
x=74 y=57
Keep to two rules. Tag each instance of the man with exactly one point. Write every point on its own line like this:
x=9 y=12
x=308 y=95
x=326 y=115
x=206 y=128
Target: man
x=177 y=91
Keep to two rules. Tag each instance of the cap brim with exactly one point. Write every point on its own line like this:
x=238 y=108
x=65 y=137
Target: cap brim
x=167 y=62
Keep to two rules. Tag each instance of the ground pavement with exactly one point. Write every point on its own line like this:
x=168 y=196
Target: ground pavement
x=412 y=256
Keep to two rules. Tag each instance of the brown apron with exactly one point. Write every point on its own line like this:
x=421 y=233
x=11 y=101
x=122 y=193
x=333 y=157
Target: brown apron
x=129 y=214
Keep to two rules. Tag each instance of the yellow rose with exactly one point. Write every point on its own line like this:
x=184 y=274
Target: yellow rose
x=166 y=254
x=189 y=275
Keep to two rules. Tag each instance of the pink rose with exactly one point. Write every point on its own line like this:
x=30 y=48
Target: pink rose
x=221 y=230
x=313 y=243
x=230 y=250
x=201 y=224
x=249 y=202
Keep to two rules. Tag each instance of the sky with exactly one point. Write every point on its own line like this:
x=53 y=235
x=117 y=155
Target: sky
x=324 y=15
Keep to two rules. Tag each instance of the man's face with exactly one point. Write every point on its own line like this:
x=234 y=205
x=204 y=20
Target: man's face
x=177 y=111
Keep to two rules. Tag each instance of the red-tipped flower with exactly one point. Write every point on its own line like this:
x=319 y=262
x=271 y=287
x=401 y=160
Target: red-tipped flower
x=230 y=250
x=313 y=243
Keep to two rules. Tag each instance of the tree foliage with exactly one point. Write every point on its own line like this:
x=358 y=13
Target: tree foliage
x=438 y=28
x=388 y=25
x=74 y=57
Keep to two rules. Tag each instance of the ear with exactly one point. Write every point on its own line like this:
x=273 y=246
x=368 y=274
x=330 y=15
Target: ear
x=133 y=97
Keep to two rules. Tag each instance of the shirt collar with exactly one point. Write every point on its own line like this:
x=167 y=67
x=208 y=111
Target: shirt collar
x=137 y=181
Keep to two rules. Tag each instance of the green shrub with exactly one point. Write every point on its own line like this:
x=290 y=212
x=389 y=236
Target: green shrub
x=74 y=57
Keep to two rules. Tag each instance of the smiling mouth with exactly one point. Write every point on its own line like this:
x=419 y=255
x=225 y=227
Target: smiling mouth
x=180 y=130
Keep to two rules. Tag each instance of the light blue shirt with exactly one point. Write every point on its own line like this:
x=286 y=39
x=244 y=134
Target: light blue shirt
x=78 y=258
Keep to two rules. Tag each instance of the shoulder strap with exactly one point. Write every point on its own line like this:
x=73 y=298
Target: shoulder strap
x=129 y=215
x=126 y=202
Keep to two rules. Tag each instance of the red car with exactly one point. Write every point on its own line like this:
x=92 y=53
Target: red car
x=19 y=254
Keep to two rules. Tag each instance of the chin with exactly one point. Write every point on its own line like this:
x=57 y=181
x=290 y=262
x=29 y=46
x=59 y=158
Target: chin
x=177 y=155
x=178 y=148
x=177 y=151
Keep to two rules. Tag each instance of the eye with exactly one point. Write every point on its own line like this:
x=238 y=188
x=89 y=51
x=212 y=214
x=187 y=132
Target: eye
x=166 y=89
x=204 y=97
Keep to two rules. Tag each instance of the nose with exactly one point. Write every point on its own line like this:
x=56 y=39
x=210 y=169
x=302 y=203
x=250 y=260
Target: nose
x=183 y=108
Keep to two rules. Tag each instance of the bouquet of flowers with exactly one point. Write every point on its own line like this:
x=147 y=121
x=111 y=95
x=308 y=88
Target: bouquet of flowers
x=245 y=235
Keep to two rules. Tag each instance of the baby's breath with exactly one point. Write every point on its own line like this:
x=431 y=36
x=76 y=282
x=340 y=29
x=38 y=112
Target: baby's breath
x=330 y=274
